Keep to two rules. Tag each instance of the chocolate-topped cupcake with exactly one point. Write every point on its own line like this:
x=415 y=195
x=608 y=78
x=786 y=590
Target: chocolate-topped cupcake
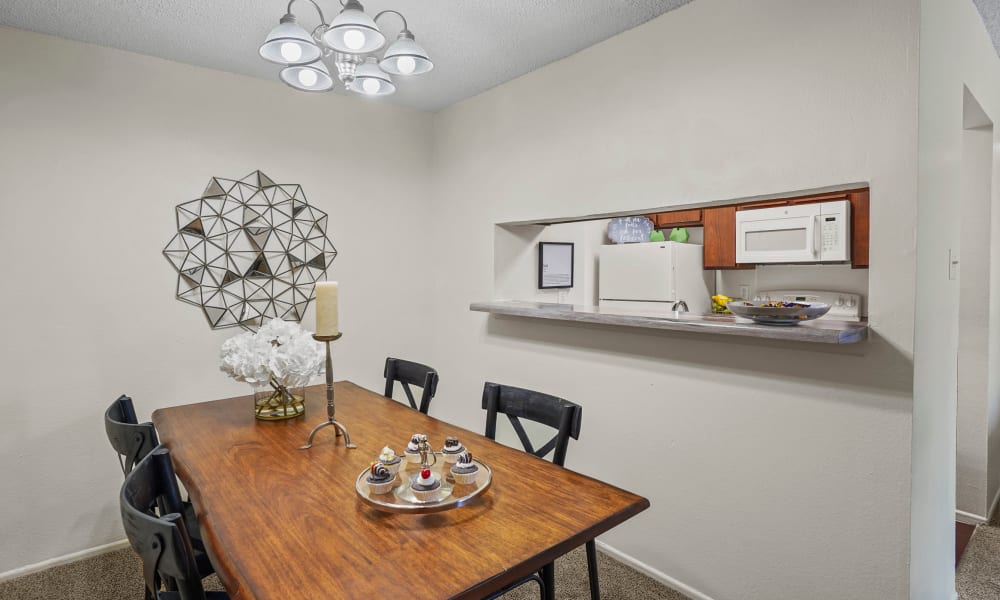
x=452 y=448
x=412 y=451
x=380 y=479
x=465 y=470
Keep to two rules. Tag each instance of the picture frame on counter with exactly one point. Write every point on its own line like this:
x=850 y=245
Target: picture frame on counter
x=555 y=265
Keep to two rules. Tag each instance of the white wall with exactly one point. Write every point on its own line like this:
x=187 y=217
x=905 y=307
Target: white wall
x=97 y=147
x=777 y=471
x=955 y=51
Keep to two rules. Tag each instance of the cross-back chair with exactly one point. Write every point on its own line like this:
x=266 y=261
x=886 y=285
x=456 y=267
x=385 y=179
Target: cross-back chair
x=409 y=373
x=133 y=441
x=151 y=514
x=130 y=439
x=561 y=415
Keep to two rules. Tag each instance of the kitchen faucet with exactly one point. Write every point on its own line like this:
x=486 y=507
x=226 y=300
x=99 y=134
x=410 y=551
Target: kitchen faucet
x=680 y=306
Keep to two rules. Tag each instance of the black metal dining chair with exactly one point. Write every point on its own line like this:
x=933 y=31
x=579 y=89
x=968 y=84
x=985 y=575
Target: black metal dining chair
x=156 y=530
x=410 y=373
x=559 y=414
x=133 y=441
x=130 y=439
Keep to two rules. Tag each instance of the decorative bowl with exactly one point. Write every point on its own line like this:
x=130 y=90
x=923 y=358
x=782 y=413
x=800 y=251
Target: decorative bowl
x=778 y=313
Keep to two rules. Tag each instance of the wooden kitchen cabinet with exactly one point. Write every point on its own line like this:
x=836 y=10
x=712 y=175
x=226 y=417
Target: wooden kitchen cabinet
x=860 y=227
x=678 y=218
x=763 y=204
x=720 y=238
x=818 y=198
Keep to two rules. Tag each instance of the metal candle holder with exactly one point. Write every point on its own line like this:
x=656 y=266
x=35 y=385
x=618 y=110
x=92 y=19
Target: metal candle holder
x=425 y=450
x=329 y=397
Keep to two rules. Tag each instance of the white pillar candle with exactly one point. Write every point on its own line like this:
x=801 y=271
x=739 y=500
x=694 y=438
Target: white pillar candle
x=326 y=308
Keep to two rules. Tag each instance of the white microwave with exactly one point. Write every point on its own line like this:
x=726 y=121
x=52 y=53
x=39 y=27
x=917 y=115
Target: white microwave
x=797 y=233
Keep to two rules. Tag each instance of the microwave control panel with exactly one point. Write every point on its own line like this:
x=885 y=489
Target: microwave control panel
x=831 y=233
x=843 y=306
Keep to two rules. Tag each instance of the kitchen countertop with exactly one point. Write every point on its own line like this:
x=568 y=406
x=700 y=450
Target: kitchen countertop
x=824 y=331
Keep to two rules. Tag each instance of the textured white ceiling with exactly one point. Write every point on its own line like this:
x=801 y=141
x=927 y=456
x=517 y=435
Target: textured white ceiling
x=475 y=44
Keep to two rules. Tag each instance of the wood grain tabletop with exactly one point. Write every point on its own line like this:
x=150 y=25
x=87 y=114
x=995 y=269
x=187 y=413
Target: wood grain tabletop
x=282 y=523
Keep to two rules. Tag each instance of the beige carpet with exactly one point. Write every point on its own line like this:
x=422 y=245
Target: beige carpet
x=978 y=576
x=118 y=576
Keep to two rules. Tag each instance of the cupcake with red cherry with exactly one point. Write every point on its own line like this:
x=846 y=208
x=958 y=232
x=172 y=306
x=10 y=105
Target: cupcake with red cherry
x=380 y=479
x=390 y=459
x=465 y=470
x=426 y=486
x=452 y=448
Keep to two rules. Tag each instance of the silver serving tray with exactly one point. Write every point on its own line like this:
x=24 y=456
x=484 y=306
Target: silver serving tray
x=400 y=498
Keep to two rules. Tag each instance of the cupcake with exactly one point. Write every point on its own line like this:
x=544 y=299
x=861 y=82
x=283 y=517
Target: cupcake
x=389 y=458
x=413 y=448
x=452 y=448
x=426 y=486
x=465 y=471
x=380 y=479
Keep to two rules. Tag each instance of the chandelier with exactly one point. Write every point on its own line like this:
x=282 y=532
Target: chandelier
x=352 y=40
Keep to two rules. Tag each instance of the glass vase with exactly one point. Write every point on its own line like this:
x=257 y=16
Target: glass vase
x=274 y=402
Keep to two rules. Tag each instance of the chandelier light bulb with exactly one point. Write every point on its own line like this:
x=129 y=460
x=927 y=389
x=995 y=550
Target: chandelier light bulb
x=370 y=80
x=314 y=77
x=406 y=65
x=289 y=44
x=405 y=57
x=354 y=39
x=291 y=52
x=353 y=31
x=308 y=78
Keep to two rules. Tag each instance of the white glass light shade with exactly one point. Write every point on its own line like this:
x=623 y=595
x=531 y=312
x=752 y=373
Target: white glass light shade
x=354 y=32
x=289 y=44
x=309 y=78
x=371 y=80
x=405 y=57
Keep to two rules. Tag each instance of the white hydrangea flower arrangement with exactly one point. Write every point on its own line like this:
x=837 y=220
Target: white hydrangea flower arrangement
x=281 y=353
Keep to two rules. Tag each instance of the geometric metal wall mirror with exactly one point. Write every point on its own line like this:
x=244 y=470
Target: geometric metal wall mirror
x=249 y=250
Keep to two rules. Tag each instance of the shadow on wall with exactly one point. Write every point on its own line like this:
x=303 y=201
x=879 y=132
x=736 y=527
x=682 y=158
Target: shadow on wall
x=871 y=365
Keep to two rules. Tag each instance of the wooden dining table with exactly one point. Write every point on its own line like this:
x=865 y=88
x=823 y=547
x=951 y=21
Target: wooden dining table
x=283 y=523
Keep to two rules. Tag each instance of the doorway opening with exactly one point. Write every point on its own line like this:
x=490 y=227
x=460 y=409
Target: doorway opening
x=978 y=412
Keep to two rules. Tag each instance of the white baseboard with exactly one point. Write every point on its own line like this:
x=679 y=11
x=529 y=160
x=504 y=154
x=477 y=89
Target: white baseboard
x=968 y=518
x=64 y=559
x=993 y=506
x=973 y=519
x=649 y=571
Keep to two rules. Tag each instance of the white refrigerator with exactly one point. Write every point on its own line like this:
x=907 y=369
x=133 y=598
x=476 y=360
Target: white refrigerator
x=653 y=275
